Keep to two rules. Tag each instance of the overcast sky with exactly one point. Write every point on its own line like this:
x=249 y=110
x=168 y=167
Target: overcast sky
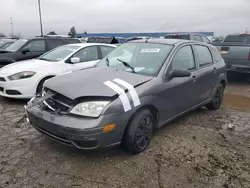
x=221 y=16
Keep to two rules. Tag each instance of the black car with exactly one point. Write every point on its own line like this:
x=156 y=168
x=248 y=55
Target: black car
x=138 y=87
x=24 y=49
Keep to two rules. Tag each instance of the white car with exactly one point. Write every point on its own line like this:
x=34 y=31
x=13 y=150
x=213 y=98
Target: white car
x=25 y=78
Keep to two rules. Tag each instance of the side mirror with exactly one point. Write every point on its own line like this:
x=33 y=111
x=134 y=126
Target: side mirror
x=25 y=50
x=75 y=60
x=177 y=73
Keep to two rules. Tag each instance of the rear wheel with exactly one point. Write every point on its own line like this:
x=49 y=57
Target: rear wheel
x=217 y=98
x=139 y=132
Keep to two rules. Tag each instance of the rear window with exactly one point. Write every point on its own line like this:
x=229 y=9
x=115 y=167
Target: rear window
x=54 y=43
x=203 y=54
x=238 y=38
x=185 y=37
x=217 y=55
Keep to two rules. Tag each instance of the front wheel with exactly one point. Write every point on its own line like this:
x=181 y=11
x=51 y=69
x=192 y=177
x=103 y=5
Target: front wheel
x=217 y=98
x=139 y=132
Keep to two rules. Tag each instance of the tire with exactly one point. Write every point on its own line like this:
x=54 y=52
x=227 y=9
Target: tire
x=217 y=98
x=139 y=132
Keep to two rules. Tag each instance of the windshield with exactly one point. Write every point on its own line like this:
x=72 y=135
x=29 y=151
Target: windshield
x=140 y=58
x=59 y=53
x=16 y=45
x=6 y=45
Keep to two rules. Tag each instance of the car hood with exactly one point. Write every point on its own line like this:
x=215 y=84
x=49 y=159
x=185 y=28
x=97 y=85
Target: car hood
x=27 y=65
x=3 y=53
x=90 y=82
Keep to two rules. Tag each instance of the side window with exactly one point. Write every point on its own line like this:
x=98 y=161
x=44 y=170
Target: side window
x=197 y=38
x=203 y=54
x=217 y=56
x=205 y=39
x=105 y=50
x=183 y=59
x=87 y=54
x=54 y=43
x=36 y=46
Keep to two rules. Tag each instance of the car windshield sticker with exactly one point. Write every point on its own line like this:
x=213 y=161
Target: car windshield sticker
x=131 y=91
x=122 y=95
x=150 y=50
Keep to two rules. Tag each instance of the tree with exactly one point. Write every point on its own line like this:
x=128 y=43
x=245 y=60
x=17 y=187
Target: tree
x=2 y=35
x=72 y=32
x=52 y=33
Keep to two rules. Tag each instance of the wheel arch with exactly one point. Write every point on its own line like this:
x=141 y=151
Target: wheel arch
x=44 y=78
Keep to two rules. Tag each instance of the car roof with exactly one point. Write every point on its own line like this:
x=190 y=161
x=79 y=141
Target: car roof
x=167 y=41
x=90 y=44
x=160 y=41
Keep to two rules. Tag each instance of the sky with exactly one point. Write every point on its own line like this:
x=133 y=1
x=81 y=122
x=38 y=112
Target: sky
x=103 y=16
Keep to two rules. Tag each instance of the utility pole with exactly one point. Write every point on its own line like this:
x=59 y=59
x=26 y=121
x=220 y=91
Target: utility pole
x=40 y=14
x=11 y=26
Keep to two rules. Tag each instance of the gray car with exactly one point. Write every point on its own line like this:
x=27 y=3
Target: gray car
x=140 y=86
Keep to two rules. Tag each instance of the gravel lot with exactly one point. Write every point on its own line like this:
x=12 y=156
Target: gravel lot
x=203 y=149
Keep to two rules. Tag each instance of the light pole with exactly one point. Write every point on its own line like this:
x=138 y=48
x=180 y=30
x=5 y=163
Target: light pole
x=40 y=14
x=11 y=26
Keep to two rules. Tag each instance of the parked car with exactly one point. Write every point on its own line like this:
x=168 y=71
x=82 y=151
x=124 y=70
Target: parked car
x=188 y=36
x=24 y=49
x=105 y=40
x=5 y=45
x=25 y=78
x=5 y=42
x=122 y=102
x=235 y=50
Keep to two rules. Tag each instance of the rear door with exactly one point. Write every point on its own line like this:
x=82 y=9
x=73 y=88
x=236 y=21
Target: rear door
x=34 y=48
x=88 y=58
x=207 y=73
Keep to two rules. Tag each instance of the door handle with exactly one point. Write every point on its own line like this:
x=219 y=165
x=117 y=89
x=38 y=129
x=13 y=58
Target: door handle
x=194 y=78
x=215 y=70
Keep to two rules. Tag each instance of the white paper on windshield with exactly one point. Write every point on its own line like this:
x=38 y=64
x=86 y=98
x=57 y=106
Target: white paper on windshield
x=150 y=50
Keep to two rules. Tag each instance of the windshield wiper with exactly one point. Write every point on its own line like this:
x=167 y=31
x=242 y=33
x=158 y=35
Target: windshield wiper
x=41 y=58
x=107 y=61
x=127 y=65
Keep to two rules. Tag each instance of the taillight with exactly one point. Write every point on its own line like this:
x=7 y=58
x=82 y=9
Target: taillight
x=249 y=56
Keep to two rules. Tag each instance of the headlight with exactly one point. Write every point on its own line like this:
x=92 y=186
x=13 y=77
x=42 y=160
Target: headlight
x=90 y=109
x=21 y=75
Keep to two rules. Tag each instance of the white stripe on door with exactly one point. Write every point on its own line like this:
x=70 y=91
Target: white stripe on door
x=122 y=95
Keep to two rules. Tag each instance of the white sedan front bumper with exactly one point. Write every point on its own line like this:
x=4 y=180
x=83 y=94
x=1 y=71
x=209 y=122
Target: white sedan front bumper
x=20 y=89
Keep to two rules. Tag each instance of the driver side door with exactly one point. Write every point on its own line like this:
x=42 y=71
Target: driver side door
x=180 y=92
x=88 y=56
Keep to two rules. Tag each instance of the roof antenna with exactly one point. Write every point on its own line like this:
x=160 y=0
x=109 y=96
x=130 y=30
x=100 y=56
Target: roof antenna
x=157 y=30
x=246 y=30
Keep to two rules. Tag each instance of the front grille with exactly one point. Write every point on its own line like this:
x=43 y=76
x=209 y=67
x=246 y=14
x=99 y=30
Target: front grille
x=56 y=103
x=1 y=89
x=2 y=79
